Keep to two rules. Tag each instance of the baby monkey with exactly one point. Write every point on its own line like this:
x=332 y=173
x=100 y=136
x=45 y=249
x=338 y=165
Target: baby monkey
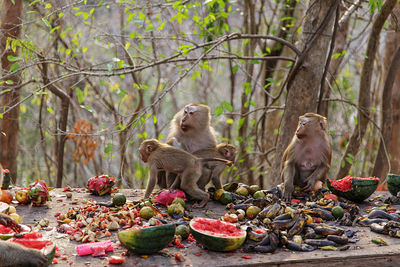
x=14 y=254
x=163 y=157
x=212 y=170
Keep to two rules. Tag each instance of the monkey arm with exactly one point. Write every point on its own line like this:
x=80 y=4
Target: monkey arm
x=152 y=181
x=288 y=173
x=318 y=174
x=9 y=222
x=14 y=254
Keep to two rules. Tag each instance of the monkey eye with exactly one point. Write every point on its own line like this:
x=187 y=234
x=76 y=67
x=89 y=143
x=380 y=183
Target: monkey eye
x=191 y=112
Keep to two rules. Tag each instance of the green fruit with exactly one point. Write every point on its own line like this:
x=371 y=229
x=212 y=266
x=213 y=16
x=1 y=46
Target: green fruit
x=217 y=235
x=252 y=212
x=183 y=231
x=218 y=194
x=49 y=251
x=393 y=183
x=337 y=212
x=175 y=209
x=119 y=199
x=231 y=187
x=180 y=201
x=226 y=198
x=146 y=212
x=254 y=188
x=353 y=188
x=259 y=194
x=147 y=240
x=242 y=191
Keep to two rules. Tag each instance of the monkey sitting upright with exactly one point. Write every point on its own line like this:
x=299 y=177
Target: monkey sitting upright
x=190 y=130
x=163 y=157
x=14 y=254
x=307 y=159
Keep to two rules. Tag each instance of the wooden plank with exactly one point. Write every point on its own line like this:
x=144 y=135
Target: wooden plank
x=363 y=252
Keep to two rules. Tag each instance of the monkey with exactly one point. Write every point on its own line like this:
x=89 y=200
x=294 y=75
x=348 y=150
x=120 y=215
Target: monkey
x=307 y=159
x=190 y=130
x=212 y=170
x=164 y=157
x=14 y=254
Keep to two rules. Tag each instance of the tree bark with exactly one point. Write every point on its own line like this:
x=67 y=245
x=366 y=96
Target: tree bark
x=10 y=27
x=393 y=142
x=364 y=97
x=305 y=79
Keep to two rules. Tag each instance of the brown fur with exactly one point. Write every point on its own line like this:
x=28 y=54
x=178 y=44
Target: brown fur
x=14 y=254
x=307 y=158
x=163 y=157
x=190 y=130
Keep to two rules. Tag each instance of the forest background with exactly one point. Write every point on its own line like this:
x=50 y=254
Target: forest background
x=84 y=82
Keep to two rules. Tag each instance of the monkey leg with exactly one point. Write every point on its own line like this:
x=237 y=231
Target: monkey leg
x=176 y=184
x=318 y=174
x=204 y=178
x=215 y=175
x=189 y=185
x=14 y=254
x=288 y=173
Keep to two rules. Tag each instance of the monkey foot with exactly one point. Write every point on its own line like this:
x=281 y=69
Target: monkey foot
x=201 y=204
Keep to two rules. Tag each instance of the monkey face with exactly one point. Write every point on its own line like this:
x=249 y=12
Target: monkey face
x=189 y=113
x=143 y=155
x=302 y=127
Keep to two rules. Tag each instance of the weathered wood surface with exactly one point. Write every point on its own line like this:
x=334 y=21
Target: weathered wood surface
x=361 y=253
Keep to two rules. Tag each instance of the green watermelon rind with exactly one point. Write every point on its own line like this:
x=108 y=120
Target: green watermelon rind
x=216 y=243
x=50 y=252
x=361 y=189
x=147 y=240
x=393 y=183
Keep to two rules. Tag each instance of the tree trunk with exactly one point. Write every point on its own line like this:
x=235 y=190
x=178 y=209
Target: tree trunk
x=305 y=79
x=364 y=97
x=10 y=27
x=390 y=108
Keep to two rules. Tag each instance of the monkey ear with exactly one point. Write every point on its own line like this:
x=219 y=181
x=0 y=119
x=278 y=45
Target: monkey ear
x=149 y=149
x=322 y=122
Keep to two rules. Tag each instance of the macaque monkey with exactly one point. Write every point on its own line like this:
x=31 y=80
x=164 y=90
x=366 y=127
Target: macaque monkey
x=163 y=157
x=14 y=254
x=190 y=130
x=307 y=159
x=213 y=170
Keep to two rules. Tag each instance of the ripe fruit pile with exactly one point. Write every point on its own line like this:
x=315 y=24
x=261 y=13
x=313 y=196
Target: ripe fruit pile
x=100 y=185
x=37 y=193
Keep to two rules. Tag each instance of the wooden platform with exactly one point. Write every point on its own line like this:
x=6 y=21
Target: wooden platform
x=362 y=253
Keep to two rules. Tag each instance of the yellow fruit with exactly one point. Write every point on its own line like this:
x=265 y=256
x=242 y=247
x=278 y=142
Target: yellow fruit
x=218 y=194
x=15 y=217
x=252 y=212
x=146 y=212
x=11 y=209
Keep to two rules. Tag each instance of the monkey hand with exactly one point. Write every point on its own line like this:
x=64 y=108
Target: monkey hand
x=287 y=192
x=309 y=185
x=9 y=222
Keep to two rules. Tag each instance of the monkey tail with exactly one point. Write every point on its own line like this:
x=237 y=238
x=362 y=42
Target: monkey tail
x=227 y=162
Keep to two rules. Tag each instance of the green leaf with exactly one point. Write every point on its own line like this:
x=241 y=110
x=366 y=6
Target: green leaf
x=79 y=95
x=12 y=58
x=87 y=108
x=50 y=110
x=241 y=121
x=228 y=107
x=9 y=82
x=14 y=67
x=108 y=148
x=247 y=88
x=218 y=111
x=235 y=69
x=229 y=121
x=154 y=119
